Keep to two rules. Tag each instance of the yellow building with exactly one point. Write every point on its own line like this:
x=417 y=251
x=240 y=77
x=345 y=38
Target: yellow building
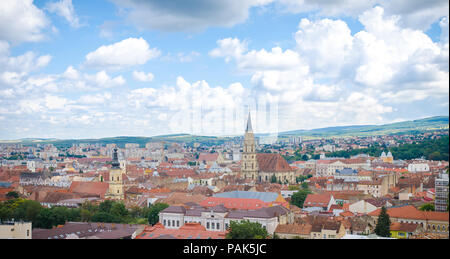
x=387 y=158
x=16 y=230
x=404 y=230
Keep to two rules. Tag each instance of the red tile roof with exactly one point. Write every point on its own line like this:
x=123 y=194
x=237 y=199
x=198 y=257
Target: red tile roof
x=235 y=203
x=187 y=231
x=411 y=212
x=95 y=188
x=272 y=163
x=317 y=200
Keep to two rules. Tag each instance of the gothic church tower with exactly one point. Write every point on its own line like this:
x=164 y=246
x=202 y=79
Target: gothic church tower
x=249 y=165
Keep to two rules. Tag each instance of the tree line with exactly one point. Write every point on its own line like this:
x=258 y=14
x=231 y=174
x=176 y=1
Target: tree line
x=431 y=149
x=108 y=211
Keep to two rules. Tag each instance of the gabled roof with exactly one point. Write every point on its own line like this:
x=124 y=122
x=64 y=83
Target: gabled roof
x=317 y=200
x=174 y=209
x=406 y=227
x=95 y=188
x=299 y=229
x=272 y=162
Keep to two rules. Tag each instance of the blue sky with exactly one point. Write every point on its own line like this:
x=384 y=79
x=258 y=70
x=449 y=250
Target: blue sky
x=90 y=69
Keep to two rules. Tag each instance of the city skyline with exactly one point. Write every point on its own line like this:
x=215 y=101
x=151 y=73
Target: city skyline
x=74 y=70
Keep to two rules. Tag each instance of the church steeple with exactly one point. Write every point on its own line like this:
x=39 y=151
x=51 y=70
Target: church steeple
x=115 y=163
x=249 y=124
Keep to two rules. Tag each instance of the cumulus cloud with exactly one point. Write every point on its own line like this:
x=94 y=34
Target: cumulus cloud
x=180 y=15
x=334 y=74
x=21 y=21
x=415 y=14
x=65 y=9
x=142 y=76
x=126 y=53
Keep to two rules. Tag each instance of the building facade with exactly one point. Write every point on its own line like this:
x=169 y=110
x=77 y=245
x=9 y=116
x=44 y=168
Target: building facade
x=441 y=196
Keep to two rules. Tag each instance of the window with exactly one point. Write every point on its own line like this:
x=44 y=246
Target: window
x=212 y=225
x=218 y=225
x=168 y=223
x=178 y=223
x=207 y=225
x=164 y=223
x=226 y=225
x=28 y=233
x=173 y=223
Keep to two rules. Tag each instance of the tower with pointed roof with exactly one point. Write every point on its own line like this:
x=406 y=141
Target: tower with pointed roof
x=263 y=167
x=249 y=166
x=115 y=190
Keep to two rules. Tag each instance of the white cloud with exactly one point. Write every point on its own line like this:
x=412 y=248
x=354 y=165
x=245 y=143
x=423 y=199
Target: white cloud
x=229 y=48
x=126 y=53
x=65 y=9
x=349 y=78
x=180 y=15
x=95 y=99
x=102 y=79
x=55 y=102
x=24 y=63
x=21 y=21
x=417 y=14
x=189 y=57
x=142 y=76
x=325 y=44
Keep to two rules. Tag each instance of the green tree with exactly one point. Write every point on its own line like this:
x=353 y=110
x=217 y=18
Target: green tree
x=246 y=230
x=427 y=207
x=44 y=219
x=105 y=217
x=299 y=197
x=305 y=185
x=118 y=209
x=383 y=224
x=27 y=210
x=106 y=206
x=12 y=195
x=153 y=213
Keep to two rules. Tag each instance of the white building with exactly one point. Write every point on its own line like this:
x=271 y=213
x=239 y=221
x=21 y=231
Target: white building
x=218 y=218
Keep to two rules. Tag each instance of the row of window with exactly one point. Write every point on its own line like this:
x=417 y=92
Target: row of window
x=209 y=225
x=167 y=223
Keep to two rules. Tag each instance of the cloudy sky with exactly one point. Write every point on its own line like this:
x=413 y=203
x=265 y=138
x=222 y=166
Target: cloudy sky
x=90 y=69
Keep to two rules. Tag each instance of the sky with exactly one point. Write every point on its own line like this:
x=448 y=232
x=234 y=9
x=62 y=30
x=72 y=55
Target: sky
x=92 y=69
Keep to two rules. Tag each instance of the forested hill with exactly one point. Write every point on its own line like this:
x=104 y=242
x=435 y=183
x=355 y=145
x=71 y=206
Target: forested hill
x=432 y=149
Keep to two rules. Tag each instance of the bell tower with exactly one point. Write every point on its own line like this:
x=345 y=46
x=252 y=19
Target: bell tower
x=115 y=190
x=249 y=165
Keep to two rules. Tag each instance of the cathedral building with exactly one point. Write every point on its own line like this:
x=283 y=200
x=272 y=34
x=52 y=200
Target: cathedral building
x=115 y=190
x=263 y=167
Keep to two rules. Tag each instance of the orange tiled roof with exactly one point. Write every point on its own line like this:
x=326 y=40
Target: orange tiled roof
x=269 y=162
x=411 y=212
x=235 y=203
x=317 y=200
x=97 y=188
x=187 y=231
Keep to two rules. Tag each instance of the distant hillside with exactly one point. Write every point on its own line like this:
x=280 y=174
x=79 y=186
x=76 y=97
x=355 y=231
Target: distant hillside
x=411 y=127
x=122 y=140
x=415 y=126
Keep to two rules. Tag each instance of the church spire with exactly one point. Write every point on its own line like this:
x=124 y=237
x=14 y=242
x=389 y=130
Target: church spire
x=249 y=124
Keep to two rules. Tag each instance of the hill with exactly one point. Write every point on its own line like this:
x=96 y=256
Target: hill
x=410 y=127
